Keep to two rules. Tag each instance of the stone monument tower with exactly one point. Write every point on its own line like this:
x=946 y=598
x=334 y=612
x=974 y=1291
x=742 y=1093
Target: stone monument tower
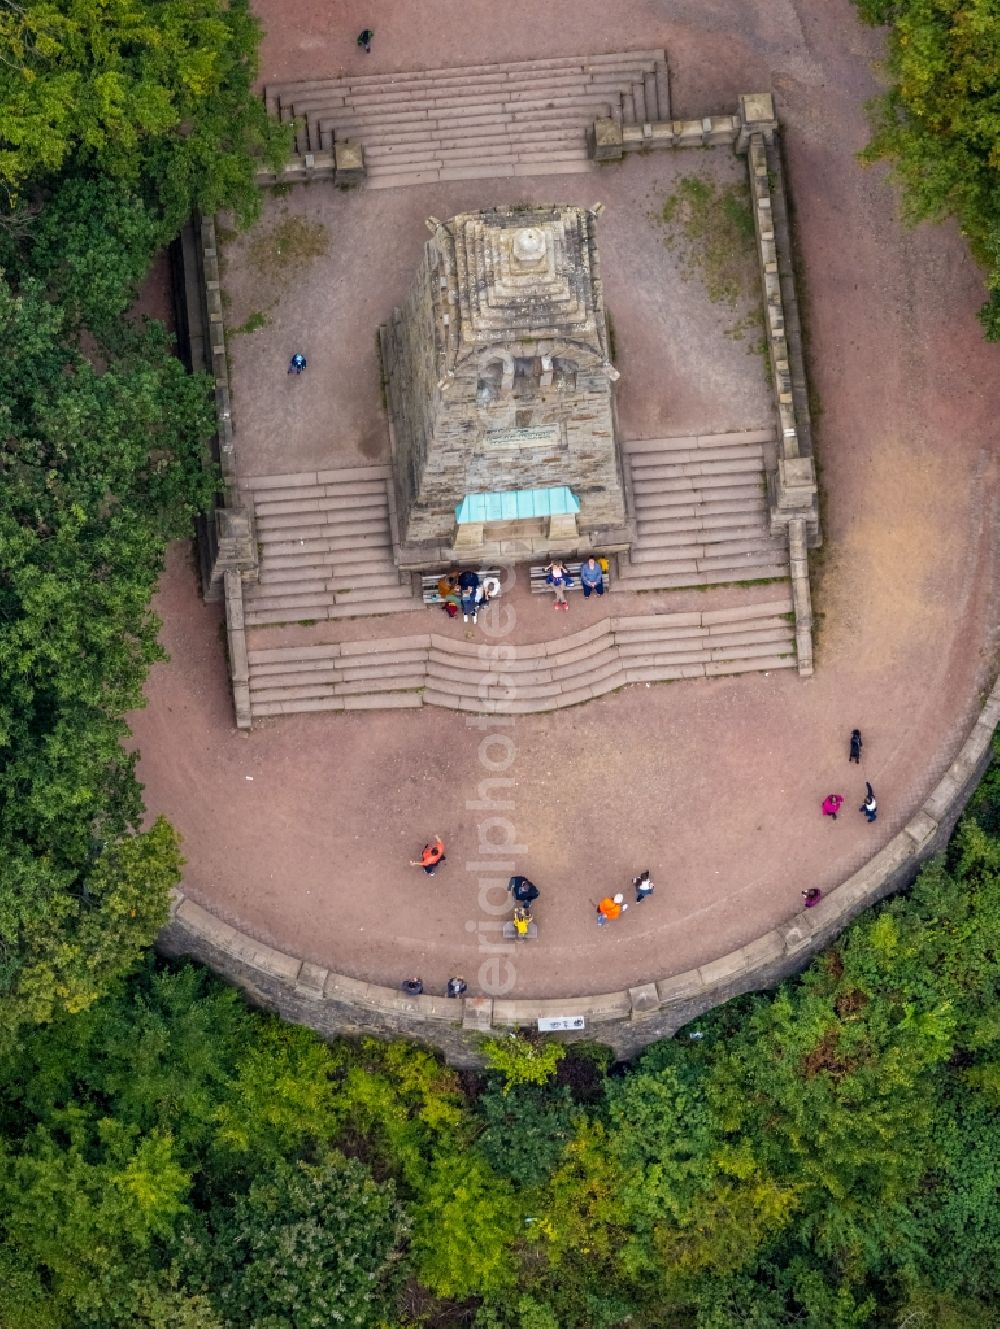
x=499 y=389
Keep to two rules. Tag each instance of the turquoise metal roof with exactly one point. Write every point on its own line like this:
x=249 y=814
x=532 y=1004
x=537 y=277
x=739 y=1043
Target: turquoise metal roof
x=514 y=504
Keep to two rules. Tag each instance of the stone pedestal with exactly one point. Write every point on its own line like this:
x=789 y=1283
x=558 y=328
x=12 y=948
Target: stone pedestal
x=349 y=163
x=605 y=141
x=756 y=116
x=793 y=492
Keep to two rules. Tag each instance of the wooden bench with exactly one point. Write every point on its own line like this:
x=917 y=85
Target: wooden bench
x=429 y=584
x=539 y=586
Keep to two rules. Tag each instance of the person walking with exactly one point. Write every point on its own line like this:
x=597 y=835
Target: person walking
x=591 y=577
x=523 y=890
x=365 y=38
x=643 y=886
x=856 y=746
x=468 y=584
x=431 y=856
x=869 y=807
x=610 y=908
x=812 y=897
x=557 y=576
x=297 y=363
x=832 y=805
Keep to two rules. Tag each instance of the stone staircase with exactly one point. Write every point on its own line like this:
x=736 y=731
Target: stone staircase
x=701 y=513
x=460 y=675
x=527 y=117
x=325 y=548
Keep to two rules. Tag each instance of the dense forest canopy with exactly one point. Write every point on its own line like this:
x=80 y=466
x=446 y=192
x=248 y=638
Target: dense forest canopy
x=824 y=1156
x=117 y=120
x=939 y=121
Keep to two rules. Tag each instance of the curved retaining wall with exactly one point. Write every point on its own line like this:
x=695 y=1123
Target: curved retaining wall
x=625 y=1021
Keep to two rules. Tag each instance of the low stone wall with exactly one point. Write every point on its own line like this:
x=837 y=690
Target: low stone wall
x=626 y=1021
x=793 y=494
x=344 y=164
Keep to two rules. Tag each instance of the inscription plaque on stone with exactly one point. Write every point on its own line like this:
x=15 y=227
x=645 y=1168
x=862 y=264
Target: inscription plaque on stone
x=551 y=1024
x=512 y=440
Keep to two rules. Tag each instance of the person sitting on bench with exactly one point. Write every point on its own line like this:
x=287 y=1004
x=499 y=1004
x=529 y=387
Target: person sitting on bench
x=591 y=577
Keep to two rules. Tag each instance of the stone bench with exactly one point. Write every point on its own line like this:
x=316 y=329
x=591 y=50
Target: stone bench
x=539 y=586
x=429 y=581
x=510 y=932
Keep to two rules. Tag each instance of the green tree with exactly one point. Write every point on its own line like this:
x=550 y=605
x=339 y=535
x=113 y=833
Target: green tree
x=525 y=1131
x=939 y=123
x=98 y=470
x=465 y=1221
x=156 y=93
x=523 y=1060
x=90 y=248
x=309 y=1246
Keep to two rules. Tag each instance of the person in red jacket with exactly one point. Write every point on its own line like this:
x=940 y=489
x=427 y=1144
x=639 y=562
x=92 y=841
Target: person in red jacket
x=831 y=805
x=432 y=855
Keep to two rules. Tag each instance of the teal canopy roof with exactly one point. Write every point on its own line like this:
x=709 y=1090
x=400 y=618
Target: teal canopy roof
x=513 y=504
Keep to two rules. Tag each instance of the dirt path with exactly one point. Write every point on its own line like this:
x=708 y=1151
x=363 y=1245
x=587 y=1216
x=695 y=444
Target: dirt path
x=715 y=786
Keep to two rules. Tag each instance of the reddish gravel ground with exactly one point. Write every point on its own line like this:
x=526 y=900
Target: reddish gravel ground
x=301 y=831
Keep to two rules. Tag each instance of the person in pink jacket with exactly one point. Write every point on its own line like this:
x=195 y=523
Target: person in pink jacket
x=832 y=804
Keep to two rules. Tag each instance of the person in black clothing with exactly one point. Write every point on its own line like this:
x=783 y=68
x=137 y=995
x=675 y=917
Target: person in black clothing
x=523 y=890
x=856 y=746
x=413 y=987
x=869 y=807
x=468 y=584
x=456 y=986
x=365 y=40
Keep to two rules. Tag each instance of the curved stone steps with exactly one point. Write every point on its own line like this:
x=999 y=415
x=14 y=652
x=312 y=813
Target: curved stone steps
x=457 y=674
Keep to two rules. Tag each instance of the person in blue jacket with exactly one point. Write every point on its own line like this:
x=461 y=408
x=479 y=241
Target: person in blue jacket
x=591 y=577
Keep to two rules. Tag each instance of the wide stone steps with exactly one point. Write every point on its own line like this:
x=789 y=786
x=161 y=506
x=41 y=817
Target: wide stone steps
x=461 y=675
x=325 y=548
x=526 y=117
x=701 y=513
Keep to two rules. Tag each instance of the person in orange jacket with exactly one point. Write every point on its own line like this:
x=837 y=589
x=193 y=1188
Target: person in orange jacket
x=609 y=909
x=431 y=856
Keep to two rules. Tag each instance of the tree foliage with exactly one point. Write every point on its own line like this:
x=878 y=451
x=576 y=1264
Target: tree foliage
x=116 y=120
x=154 y=93
x=939 y=123
x=99 y=468
x=824 y=1156
x=308 y=1245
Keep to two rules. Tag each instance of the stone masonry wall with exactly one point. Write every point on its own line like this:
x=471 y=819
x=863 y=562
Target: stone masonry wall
x=472 y=312
x=626 y=1021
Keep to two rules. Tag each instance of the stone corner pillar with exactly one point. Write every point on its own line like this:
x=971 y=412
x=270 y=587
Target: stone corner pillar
x=349 y=163
x=756 y=116
x=604 y=141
